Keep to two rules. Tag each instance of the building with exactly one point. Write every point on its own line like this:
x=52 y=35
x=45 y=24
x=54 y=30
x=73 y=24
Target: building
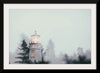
x=35 y=53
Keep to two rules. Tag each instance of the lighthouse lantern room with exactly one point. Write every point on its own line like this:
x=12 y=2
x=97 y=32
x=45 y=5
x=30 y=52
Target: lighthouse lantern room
x=35 y=38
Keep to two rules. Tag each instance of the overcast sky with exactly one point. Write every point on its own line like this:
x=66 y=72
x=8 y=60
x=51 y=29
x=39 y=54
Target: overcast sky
x=68 y=29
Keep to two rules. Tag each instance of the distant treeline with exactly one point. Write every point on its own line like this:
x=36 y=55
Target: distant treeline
x=24 y=57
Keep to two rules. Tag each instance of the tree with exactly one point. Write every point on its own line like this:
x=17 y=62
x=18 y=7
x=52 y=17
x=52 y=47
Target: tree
x=24 y=55
x=82 y=60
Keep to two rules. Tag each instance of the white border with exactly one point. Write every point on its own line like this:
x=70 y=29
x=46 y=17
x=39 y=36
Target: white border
x=49 y=6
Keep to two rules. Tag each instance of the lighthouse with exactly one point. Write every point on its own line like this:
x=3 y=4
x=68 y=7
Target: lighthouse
x=35 y=46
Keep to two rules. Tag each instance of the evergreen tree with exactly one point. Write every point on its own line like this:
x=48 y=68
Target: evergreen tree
x=24 y=56
x=82 y=60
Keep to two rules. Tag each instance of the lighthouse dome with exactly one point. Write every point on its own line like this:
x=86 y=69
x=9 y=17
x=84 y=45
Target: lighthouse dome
x=35 y=38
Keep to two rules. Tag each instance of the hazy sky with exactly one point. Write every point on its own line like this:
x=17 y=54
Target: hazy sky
x=68 y=29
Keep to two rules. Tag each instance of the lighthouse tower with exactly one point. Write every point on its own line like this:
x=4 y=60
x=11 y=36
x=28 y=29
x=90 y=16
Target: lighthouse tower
x=35 y=53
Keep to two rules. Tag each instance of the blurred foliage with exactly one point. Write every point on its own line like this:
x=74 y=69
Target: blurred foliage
x=24 y=56
x=81 y=60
